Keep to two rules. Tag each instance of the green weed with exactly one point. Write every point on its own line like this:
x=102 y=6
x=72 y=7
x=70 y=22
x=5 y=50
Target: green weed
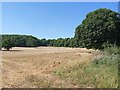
x=100 y=73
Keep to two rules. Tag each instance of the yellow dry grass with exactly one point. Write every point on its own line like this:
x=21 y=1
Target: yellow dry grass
x=32 y=67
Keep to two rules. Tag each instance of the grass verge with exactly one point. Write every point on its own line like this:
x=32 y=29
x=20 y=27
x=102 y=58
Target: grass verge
x=101 y=72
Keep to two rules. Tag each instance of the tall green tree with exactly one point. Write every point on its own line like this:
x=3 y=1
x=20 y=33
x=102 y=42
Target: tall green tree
x=99 y=28
x=7 y=44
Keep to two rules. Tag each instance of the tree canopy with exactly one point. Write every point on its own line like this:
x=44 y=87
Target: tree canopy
x=9 y=41
x=98 y=29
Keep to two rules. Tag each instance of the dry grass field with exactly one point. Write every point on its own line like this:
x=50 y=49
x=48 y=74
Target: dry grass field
x=33 y=67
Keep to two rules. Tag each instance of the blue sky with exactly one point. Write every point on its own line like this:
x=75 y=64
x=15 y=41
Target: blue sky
x=47 y=20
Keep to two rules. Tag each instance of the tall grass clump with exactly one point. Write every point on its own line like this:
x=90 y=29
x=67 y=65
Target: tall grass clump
x=112 y=50
x=101 y=72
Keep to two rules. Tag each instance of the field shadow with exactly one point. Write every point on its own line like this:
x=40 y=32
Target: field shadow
x=12 y=50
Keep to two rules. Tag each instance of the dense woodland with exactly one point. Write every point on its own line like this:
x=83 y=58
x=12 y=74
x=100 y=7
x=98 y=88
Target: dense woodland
x=100 y=29
x=30 y=41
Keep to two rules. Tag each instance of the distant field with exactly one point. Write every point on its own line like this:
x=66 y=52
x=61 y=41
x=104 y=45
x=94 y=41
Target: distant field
x=42 y=66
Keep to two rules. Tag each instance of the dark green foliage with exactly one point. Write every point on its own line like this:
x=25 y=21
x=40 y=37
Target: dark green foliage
x=43 y=42
x=100 y=28
x=61 y=42
x=9 y=41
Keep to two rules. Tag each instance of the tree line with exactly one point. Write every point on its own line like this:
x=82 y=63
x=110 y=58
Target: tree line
x=9 y=41
x=100 y=29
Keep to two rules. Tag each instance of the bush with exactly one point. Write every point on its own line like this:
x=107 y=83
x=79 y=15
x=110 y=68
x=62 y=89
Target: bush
x=112 y=50
x=106 y=60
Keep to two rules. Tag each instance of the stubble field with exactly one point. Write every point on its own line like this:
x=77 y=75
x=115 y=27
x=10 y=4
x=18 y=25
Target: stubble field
x=34 y=67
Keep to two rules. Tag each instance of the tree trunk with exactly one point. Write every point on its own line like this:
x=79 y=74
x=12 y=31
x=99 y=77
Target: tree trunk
x=8 y=49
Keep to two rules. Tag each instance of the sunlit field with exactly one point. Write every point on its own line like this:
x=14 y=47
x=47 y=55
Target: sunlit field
x=58 y=67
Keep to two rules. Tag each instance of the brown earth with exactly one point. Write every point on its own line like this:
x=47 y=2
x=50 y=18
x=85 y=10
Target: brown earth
x=32 y=67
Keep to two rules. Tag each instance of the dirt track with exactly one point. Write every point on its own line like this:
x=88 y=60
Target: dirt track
x=32 y=67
